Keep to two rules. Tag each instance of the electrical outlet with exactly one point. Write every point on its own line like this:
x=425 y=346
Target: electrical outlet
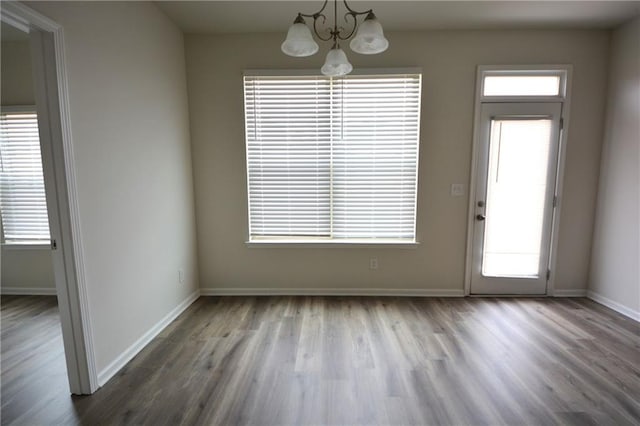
x=180 y=276
x=373 y=263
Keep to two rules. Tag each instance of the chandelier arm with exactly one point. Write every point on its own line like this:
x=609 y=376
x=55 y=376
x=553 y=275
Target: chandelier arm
x=336 y=32
x=353 y=29
x=353 y=12
x=316 y=18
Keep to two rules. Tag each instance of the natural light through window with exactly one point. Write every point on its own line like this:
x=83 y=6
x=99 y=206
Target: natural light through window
x=521 y=85
x=332 y=159
x=516 y=188
x=23 y=203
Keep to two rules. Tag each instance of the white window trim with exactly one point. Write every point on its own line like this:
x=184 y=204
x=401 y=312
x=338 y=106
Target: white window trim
x=332 y=244
x=335 y=243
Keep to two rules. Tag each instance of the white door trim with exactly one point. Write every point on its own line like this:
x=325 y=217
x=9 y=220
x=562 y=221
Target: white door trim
x=52 y=96
x=562 y=148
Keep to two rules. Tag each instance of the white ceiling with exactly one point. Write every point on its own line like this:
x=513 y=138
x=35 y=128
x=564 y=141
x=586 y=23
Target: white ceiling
x=239 y=16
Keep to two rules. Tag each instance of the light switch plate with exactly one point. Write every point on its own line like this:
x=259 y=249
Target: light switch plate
x=457 y=190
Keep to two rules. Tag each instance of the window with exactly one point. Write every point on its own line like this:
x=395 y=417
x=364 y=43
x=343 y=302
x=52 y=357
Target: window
x=332 y=159
x=523 y=83
x=22 y=198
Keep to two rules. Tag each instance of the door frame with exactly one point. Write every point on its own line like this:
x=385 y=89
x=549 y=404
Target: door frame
x=476 y=156
x=52 y=101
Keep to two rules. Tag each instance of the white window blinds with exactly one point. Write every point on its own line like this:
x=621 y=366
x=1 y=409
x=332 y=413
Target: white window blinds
x=332 y=159
x=22 y=198
x=288 y=130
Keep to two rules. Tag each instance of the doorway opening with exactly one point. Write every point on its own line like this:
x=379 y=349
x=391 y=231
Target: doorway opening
x=48 y=77
x=33 y=361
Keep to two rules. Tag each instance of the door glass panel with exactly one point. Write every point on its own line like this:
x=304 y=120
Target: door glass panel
x=516 y=189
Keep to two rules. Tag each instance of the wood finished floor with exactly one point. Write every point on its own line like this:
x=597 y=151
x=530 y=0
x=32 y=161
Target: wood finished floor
x=344 y=360
x=33 y=381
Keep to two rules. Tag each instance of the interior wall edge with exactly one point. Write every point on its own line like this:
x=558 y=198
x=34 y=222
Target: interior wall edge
x=127 y=355
x=611 y=304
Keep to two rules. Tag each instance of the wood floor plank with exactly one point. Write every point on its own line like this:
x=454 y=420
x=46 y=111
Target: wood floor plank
x=341 y=360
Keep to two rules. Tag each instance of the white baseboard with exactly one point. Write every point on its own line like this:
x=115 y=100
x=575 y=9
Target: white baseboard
x=331 y=292
x=127 y=355
x=618 y=307
x=29 y=291
x=570 y=293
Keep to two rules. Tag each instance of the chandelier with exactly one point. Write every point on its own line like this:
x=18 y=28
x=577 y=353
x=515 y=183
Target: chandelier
x=368 y=40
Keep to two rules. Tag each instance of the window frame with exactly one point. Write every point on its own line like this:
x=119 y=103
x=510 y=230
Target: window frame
x=325 y=242
x=25 y=244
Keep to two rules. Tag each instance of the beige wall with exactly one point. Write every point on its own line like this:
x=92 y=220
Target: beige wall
x=17 y=85
x=27 y=271
x=448 y=59
x=31 y=270
x=615 y=263
x=129 y=119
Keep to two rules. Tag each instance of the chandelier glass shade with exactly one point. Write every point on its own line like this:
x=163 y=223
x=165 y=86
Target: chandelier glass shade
x=299 y=42
x=368 y=37
x=336 y=63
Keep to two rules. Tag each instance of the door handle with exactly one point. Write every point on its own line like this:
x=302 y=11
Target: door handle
x=480 y=217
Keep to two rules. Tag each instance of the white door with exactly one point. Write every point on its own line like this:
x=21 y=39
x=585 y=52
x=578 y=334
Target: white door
x=515 y=188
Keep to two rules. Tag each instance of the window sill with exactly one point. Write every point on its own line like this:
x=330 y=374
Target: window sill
x=26 y=246
x=332 y=244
